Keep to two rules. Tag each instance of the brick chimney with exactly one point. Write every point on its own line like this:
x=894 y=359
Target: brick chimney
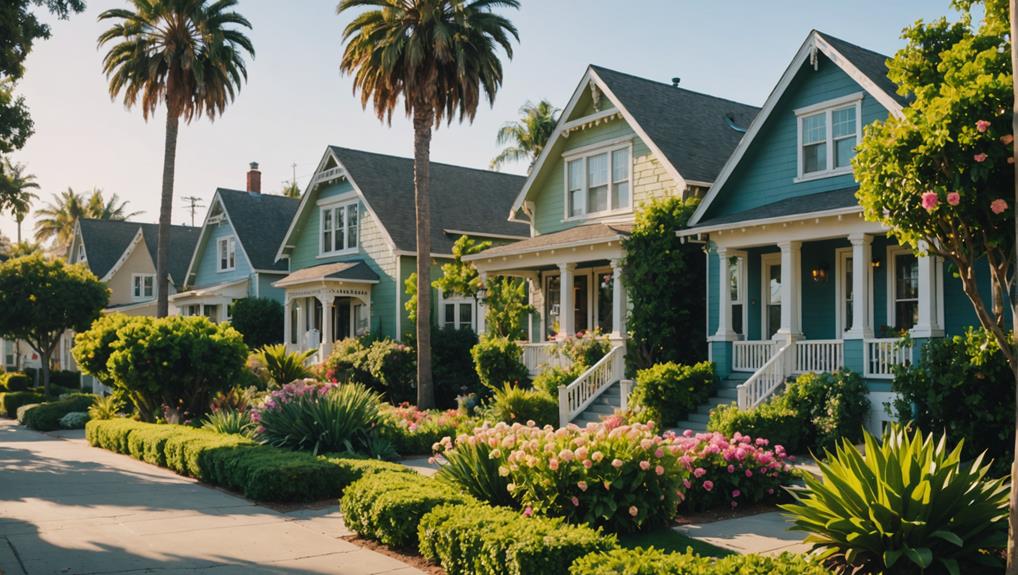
x=254 y=179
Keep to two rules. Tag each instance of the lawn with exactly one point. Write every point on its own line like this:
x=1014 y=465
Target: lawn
x=671 y=540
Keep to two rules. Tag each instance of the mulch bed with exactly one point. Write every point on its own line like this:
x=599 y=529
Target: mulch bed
x=412 y=560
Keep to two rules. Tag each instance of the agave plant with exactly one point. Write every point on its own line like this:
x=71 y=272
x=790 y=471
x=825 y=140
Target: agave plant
x=910 y=505
x=284 y=366
x=229 y=421
x=106 y=407
x=470 y=466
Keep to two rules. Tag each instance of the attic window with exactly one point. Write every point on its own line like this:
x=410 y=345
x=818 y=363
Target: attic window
x=227 y=254
x=143 y=286
x=828 y=133
x=599 y=182
x=339 y=227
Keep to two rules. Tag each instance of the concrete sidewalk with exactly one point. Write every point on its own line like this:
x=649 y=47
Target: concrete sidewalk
x=67 y=508
x=764 y=533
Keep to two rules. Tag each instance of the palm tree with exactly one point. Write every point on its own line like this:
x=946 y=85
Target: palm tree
x=18 y=191
x=439 y=56
x=186 y=54
x=56 y=219
x=525 y=138
x=99 y=208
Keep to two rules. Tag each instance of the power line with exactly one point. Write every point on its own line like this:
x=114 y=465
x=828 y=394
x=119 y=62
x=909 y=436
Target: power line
x=194 y=203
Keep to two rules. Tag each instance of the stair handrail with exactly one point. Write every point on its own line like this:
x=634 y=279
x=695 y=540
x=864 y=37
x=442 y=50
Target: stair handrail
x=578 y=395
x=766 y=380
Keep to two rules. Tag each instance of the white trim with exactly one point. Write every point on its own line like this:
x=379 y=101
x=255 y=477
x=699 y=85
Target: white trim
x=230 y=252
x=841 y=256
x=343 y=198
x=767 y=259
x=770 y=221
x=139 y=237
x=550 y=249
x=583 y=155
x=331 y=207
x=743 y=273
x=414 y=254
x=891 y=253
x=828 y=104
x=485 y=235
x=456 y=301
x=399 y=292
x=583 y=120
x=134 y=288
x=827 y=108
x=597 y=147
x=813 y=40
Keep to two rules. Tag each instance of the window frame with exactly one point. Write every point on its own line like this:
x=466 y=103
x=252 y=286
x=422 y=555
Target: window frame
x=583 y=155
x=893 y=252
x=456 y=302
x=826 y=108
x=331 y=208
x=231 y=254
x=138 y=287
x=742 y=275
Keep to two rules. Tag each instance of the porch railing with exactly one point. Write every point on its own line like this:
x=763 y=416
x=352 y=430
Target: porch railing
x=766 y=380
x=751 y=355
x=882 y=355
x=538 y=356
x=575 y=397
x=818 y=355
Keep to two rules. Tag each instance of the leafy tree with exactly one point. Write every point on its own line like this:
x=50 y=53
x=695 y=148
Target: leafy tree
x=664 y=282
x=506 y=302
x=291 y=190
x=56 y=220
x=186 y=54
x=439 y=56
x=458 y=277
x=524 y=139
x=41 y=298
x=259 y=320
x=410 y=305
x=16 y=191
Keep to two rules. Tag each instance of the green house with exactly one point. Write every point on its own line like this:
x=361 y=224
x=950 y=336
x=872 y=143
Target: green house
x=352 y=244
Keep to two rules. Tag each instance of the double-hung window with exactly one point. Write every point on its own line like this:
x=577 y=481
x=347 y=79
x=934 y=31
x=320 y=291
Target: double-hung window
x=227 y=254
x=339 y=228
x=828 y=133
x=599 y=182
x=143 y=286
x=458 y=312
x=906 y=290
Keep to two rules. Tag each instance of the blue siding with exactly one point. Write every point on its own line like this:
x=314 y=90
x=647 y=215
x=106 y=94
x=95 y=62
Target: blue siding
x=265 y=288
x=207 y=264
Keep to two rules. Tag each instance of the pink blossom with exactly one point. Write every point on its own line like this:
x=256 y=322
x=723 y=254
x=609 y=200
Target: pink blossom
x=645 y=465
x=735 y=504
x=980 y=157
x=708 y=485
x=930 y=200
x=770 y=491
x=731 y=469
x=749 y=473
x=616 y=463
x=736 y=493
x=587 y=464
x=687 y=433
x=982 y=126
x=553 y=464
x=687 y=483
x=633 y=510
x=953 y=198
x=659 y=470
x=575 y=500
x=582 y=485
x=659 y=453
x=528 y=511
x=998 y=206
x=699 y=472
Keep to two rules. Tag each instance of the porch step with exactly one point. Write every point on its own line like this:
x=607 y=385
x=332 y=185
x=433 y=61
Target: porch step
x=695 y=426
x=602 y=407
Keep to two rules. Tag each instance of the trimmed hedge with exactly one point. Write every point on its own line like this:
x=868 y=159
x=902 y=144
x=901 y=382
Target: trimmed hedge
x=484 y=540
x=260 y=472
x=651 y=561
x=12 y=400
x=387 y=507
x=46 y=416
x=15 y=381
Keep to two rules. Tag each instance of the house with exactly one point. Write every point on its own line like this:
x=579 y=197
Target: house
x=797 y=280
x=620 y=141
x=352 y=244
x=235 y=256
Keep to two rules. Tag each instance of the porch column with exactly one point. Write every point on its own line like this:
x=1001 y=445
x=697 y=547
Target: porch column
x=862 y=255
x=287 y=323
x=567 y=305
x=791 y=289
x=326 y=345
x=618 y=301
x=725 y=331
x=482 y=308
x=929 y=297
x=302 y=323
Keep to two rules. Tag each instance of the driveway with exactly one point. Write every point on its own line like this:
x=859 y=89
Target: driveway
x=67 y=508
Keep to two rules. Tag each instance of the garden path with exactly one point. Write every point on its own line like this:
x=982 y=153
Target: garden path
x=68 y=508
x=764 y=533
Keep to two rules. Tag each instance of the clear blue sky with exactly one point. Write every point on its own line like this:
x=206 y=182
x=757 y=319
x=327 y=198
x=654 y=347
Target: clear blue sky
x=296 y=102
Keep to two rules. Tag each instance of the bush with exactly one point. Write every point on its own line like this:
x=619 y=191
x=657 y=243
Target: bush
x=283 y=366
x=908 y=506
x=65 y=379
x=515 y=404
x=586 y=349
x=452 y=367
x=74 y=420
x=229 y=421
x=320 y=417
x=105 y=407
x=471 y=466
x=12 y=400
x=15 y=381
x=387 y=507
x=413 y=431
x=259 y=320
x=669 y=391
x=393 y=369
x=93 y=347
x=46 y=416
x=651 y=561
x=552 y=378
x=347 y=363
x=482 y=540
x=498 y=361
x=780 y=424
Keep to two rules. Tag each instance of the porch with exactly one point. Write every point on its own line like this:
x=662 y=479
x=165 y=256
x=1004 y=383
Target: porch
x=212 y=301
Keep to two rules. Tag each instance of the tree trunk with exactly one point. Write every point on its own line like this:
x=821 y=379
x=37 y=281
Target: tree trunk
x=165 y=213
x=1012 y=515
x=19 y=230
x=424 y=117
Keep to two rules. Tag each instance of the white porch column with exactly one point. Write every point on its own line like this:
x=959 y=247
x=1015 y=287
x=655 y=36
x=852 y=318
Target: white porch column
x=725 y=331
x=929 y=298
x=567 y=305
x=326 y=346
x=791 y=288
x=618 y=301
x=482 y=308
x=862 y=254
x=302 y=322
x=287 y=323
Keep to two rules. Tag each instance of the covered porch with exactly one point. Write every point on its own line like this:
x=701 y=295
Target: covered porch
x=212 y=302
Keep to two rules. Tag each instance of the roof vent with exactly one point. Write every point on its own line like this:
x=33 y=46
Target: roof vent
x=733 y=125
x=675 y=82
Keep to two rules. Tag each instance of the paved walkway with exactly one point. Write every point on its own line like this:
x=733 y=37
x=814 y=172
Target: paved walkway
x=764 y=533
x=67 y=508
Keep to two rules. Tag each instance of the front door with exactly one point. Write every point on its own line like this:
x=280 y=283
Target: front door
x=771 y=264
x=342 y=311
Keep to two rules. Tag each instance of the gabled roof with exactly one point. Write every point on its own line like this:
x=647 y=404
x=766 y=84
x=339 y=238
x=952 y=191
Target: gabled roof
x=872 y=64
x=586 y=234
x=841 y=200
x=351 y=271
x=260 y=221
x=106 y=242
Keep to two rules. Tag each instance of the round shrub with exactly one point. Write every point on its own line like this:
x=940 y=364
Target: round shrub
x=498 y=361
x=347 y=363
x=780 y=424
x=393 y=369
x=259 y=320
x=452 y=367
x=669 y=391
x=651 y=561
x=74 y=420
x=833 y=405
x=513 y=404
x=15 y=381
x=552 y=378
x=93 y=347
x=586 y=349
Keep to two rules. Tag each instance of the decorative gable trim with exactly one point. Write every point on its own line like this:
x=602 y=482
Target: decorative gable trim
x=199 y=246
x=138 y=239
x=79 y=243
x=814 y=42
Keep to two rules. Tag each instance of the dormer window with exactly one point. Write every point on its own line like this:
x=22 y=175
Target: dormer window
x=227 y=254
x=339 y=229
x=598 y=182
x=828 y=133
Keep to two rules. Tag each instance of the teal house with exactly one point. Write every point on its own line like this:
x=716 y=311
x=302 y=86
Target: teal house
x=797 y=280
x=235 y=255
x=352 y=244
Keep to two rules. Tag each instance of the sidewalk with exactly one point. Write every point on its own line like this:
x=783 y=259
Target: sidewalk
x=765 y=533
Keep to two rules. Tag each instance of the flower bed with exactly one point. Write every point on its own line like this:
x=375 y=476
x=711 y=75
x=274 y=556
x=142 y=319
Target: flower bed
x=413 y=431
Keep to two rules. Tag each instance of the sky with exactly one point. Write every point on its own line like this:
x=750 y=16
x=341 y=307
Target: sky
x=295 y=102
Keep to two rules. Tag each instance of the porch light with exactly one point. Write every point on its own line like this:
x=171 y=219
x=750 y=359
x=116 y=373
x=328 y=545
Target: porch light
x=818 y=273
x=875 y=263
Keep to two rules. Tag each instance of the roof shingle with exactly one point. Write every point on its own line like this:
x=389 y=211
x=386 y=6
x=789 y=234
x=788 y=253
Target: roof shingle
x=260 y=222
x=106 y=240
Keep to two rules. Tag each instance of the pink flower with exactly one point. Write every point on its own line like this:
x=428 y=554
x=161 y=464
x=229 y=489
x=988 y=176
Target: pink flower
x=708 y=485
x=575 y=500
x=980 y=157
x=616 y=463
x=699 y=472
x=528 y=511
x=687 y=483
x=553 y=464
x=731 y=469
x=929 y=200
x=1007 y=139
x=582 y=485
x=659 y=470
x=645 y=465
x=735 y=504
x=982 y=126
x=770 y=491
x=633 y=510
x=749 y=473
x=587 y=464
x=736 y=493
x=998 y=206
x=953 y=198
x=659 y=453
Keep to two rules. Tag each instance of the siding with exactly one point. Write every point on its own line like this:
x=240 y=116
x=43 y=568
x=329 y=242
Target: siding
x=408 y=265
x=121 y=284
x=264 y=286
x=206 y=269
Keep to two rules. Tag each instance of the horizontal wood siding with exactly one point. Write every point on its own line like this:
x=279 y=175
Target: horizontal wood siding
x=207 y=265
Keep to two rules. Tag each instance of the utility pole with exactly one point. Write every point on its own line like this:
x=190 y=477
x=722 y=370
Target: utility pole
x=194 y=202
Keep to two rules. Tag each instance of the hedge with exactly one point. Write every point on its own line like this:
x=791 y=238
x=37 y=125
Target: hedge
x=387 y=507
x=46 y=416
x=484 y=540
x=12 y=400
x=260 y=472
x=651 y=561
x=15 y=381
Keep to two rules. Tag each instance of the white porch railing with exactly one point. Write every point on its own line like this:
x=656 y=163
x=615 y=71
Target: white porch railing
x=766 y=380
x=575 y=397
x=751 y=355
x=882 y=355
x=537 y=356
x=818 y=355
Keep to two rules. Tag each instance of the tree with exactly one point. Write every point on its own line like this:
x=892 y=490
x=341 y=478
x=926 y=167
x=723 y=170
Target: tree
x=186 y=54
x=41 y=298
x=460 y=278
x=259 y=320
x=506 y=300
x=524 y=139
x=939 y=175
x=291 y=189
x=57 y=219
x=440 y=57
x=17 y=192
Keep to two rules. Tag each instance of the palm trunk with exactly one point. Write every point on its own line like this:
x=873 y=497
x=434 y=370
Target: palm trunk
x=1012 y=515
x=165 y=213
x=423 y=120
x=19 y=230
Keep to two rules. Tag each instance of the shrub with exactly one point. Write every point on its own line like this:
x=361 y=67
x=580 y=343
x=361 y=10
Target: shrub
x=74 y=420
x=471 y=466
x=65 y=379
x=93 y=347
x=229 y=421
x=12 y=400
x=908 y=506
x=387 y=507
x=347 y=363
x=482 y=540
x=515 y=404
x=106 y=407
x=498 y=361
x=259 y=320
x=393 y=369
x=552 y=378
x=452 y=367
x=237 y=399
x=46 y=416
x=586 y=349
x=651 y=561
x=668 y=391
x=283 y=366
x=413 y=431
x=15 y=381
x=834 y=405
x=318 y=417
x=780 y=424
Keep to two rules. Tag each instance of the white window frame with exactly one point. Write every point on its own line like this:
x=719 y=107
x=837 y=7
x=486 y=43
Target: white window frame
x=892 y=283
x=229 y=245
x=842 y=255
x=456 y=301
x=826 y=108
x=138 y=287
x=332 y=207
x=583 y=154
x=742 y=270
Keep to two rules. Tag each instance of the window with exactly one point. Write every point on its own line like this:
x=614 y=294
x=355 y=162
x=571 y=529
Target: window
x=599 y=182
x=906 y=291
x=339 y=228
x=458 y=312
x=828 y=133
x=143 y=286
x=227 y=254
x=360 y=319
x=81 y=253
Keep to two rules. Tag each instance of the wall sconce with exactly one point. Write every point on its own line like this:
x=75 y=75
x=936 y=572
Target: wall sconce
x=875 y=263
x=819 y=274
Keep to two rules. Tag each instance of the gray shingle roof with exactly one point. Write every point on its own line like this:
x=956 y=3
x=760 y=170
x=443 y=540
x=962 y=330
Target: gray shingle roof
x=694 y=131
x=799 y=205
x=105 y=241
x=589 y=233
x=353 y=270
x=260 y=222
x=465 y=199
x=872 y=64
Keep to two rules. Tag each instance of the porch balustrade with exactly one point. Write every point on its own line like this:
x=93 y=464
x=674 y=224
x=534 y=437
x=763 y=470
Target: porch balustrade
x=540 y=356
x=751 y=355
x=883 y=355
x=818 y=355
x=575 y=397
x=766 y=381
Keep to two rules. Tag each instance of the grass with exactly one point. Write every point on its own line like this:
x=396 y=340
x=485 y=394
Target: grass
x=671 y=540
